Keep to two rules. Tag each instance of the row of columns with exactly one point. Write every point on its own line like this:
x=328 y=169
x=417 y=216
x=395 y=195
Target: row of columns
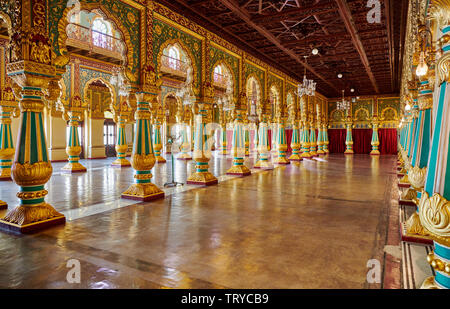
x=423 y=160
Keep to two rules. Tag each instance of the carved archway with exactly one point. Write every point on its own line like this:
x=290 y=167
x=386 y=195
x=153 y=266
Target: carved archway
x=335 y=118
x=104 y=81
x=383 y=112
x=185 y=50
x=7 y=20
x=227 y=66
x=363 y=110
x=62 y=59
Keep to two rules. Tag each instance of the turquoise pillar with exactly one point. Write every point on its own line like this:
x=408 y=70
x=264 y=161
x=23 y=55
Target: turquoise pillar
x=434 y=206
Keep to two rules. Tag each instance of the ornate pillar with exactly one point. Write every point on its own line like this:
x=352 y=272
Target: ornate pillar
x=223 y=131
x=246 y=137
x=281 y=137
x=202 y=147
x=143 y=158
x=263 y=137
x=8 y=109
x=74 y=113
x=121 y=116
x=183 y=120
x=375 y=140
x=31 y=169
x=304 y=127
x=295 y=142
x=320 y=142
x=238 y=148
x=434 y=205
x=326 y=142
x=158 y=117
x=349 y=138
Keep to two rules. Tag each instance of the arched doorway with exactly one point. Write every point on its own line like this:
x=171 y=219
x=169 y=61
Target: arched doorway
x=100 y=127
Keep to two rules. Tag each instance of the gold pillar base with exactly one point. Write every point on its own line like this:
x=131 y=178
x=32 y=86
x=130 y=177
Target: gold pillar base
x=121 y=163
x=239 y=170
x=29 y=219
x=349 y=152
x=263 y=164
x=306 y=155
x=320 y=152
x=224 y=152
x=73 y=168
x=375 y=153
x=202 y=179
x=5 y=174
x=184 y=156
x=3 y=205
x=295 y=157
x=281 y=160
x=429 y=284
x=143 y=192
x=160 y=159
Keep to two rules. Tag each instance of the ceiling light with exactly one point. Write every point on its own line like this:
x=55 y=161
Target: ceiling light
x=315 y=51
x=339 y=75
x=352 y=90
x=422 y=68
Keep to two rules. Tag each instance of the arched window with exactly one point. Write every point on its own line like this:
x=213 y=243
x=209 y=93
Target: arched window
x=219 y=76
x=101 y=33
x=173 y=58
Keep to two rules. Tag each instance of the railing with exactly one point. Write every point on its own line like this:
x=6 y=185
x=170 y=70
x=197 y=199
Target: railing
x=94 y=39
x=173 y=63
x=219 y=79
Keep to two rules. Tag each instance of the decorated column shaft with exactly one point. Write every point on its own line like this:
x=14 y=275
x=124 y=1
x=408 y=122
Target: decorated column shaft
x=185 y=147
x=281 y=140
x=375 y=140
x=312 y=139
x=304 y=134
x=349 y=137
x=319 y=130
x=121 y=117
x=434 y=206
x=202 y=147
x=247 y=138
x=8 y=108
x=74 y=113
x=263 y=137
x=295 y=142
x=223 y=140
x=238 y=148
x=326 y=140
x=142 y=157
x=158 y=117
x=416 y=175
x=31 y=169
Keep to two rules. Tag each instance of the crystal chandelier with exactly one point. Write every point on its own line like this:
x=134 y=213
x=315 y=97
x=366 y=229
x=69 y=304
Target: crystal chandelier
x=308 y=87
x=119 y=81
x=344 y=104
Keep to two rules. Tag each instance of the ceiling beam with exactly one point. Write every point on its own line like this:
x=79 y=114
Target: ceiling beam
x=245 y=16
x=347 y=18
x=282 y=15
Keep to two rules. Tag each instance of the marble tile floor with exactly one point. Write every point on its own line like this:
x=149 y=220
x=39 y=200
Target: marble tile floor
x=313 y=224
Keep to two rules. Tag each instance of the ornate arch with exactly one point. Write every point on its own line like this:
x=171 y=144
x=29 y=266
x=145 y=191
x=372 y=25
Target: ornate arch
x=228 y=67
x=62 y=59
x=385 y=110
x=365 y=110
x=340 y=119
x=258 y=88
x=185 y=49
x=5 y=17
x=107 y=83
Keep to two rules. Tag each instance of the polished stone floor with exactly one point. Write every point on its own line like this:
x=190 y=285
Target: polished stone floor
x=313 y=224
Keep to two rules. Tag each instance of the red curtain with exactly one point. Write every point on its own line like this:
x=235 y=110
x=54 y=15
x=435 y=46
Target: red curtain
x=388 y=141
x=337 y=140
x=362 y=139
x=289 y=139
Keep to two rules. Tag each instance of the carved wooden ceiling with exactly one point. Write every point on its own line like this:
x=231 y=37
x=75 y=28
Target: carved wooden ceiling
x=282 y=32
